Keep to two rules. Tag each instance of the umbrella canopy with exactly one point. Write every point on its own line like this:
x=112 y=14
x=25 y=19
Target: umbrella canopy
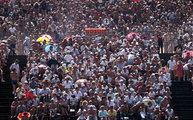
x=42 y=39
x=190 y=53
x=42 y=66
x=47 y=48
x=80 y=81
x=131 y=35
x=47 y=36
x=146 y=101
x=29 y=94
x=23 y=114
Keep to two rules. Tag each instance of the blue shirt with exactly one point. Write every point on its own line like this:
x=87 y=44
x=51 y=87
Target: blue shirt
x=102 y=113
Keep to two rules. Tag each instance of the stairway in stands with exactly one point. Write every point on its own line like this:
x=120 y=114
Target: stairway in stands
x=6 y=96
x=182 y=100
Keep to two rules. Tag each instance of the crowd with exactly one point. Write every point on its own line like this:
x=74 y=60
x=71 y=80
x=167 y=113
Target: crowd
x=96 y=76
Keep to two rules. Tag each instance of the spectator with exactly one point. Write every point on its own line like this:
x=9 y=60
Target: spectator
x=129 y=67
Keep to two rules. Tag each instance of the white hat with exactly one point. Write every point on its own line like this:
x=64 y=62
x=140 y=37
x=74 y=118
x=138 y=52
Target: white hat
x=131 y=89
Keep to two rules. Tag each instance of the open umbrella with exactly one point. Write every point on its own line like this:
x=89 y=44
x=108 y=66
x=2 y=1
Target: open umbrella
x=47 y=36
x=47 y=48
x=42 y=68
x=27 y=94
x=80 y=81
x=190 y=53
x=42 y=39
x=131 y=35
x=146 y=101
x=23 y=114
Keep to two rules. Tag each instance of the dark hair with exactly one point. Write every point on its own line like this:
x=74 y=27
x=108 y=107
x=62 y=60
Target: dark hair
x=25 y=114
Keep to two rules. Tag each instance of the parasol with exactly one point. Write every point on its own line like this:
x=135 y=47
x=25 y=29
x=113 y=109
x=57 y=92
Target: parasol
x=42 y=66
x=80 y=81
x=131 y=35
x=186 y=54
x=146 y=101
x=42 y=39
x=47 y=36
x=47 y=48
x=27 y=94
x=21 y=115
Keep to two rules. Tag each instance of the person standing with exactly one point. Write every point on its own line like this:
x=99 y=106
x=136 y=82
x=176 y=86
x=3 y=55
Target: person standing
x=160 y=42
x=14 y=78
x=179 y=70
x=171 y=65
x=1 y=75
x=15 y=66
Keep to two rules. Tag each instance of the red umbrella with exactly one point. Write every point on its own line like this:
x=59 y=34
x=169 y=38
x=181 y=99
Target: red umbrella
x=47 y=36
x=27 y=94
x=22 y=114
x=186 y=54
x=131 y=35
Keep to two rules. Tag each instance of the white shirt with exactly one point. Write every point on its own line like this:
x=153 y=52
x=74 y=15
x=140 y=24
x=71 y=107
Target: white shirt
x=45 y=91
x=16 y=66
x=110 y=103
x=122 y=87
x=68 y=94
x=100 y=1
x=12 y=29
x=77 y=94
x=190 y=61
x=171 y=64
x=162 y=79
x=185 y=67
x=67 y=84
x=57 y=91
x=131 y=56
x=151 y=94
x=138 y=98
x=68 y=57
x=129 y=100
x=37 y=93
x=170 y=113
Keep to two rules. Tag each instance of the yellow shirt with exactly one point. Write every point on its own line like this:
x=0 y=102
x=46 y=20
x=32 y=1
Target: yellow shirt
x=112 y=113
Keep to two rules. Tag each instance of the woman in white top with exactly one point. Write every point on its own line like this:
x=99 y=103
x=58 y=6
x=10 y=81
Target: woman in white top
x=170 y=113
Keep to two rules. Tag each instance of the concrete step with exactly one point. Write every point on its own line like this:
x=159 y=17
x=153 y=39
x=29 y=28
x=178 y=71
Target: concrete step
x=5 y=109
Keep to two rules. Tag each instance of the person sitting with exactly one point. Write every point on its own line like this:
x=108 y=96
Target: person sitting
x=92 y=113
x=112 y=114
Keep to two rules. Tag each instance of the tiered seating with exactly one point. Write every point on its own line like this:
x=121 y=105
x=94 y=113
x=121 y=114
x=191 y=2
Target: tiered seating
x=6 y=96
x=182 y=100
